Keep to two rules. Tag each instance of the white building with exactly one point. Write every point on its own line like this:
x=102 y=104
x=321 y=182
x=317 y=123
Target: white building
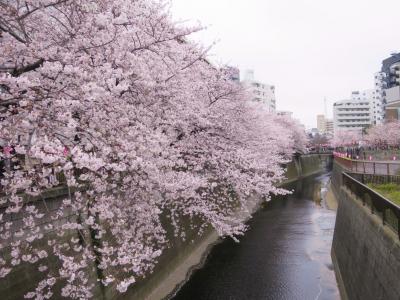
x=356 y=113
x=378 y=107
x=324 y=125
x=260 y=92
x=391 y=86
x=321 y=123
x=329 y=127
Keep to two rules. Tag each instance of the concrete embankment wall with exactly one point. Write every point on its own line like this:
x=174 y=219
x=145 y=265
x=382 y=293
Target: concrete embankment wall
x=306 y=165
x=366 y=254
x=337 y=179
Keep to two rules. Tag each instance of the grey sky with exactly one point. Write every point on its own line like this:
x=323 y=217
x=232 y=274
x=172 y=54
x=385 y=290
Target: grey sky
x=309 y=49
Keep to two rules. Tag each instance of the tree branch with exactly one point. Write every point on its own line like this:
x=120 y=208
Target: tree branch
x=19 y=71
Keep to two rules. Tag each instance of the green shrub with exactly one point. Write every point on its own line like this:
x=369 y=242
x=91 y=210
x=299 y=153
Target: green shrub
x=389 y=190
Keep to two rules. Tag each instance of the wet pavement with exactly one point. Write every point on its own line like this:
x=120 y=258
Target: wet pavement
x=284 y=255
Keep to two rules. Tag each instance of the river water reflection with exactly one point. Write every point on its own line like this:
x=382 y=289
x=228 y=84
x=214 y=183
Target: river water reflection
x=284 y=255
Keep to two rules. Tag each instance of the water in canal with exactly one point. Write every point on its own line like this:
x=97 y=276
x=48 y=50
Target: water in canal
x=284 y=255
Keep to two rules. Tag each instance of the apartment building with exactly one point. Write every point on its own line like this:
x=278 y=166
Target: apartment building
x=378 y=106
x=391 y=86
x=261 y=92
x=355 y=113
x=324 y=125
x=329 y=127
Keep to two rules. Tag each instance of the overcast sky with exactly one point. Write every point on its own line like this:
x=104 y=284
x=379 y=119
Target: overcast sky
x=309 y=49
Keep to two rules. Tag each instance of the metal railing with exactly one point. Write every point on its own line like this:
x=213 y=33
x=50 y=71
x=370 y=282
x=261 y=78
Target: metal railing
x=370 y=167
x=385 y=209
x=376 y=179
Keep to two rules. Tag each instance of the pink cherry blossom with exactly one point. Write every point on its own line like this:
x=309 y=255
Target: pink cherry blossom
x=110 y=102
x=387 y=134
x=344 y=138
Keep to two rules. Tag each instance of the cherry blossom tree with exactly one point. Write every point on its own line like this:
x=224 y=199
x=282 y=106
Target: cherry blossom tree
x=320 y=140
x=298 y=139
x=109 y=102
x=387 y=134
x=344 y=138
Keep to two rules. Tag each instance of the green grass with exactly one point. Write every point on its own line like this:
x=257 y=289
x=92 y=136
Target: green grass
x=391 y=191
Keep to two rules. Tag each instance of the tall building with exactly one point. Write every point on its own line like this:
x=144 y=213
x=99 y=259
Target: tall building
x=324 y=125
x=391 y=70
x=354 y=114
x=261 y=92
x=391 y=86
x=329 y=127
x=378 y=107
x=321 y=123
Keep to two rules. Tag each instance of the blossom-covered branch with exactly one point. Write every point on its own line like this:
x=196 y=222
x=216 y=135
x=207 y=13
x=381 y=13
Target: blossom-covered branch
x=108 y=101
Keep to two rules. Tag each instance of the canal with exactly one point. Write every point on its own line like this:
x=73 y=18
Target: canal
x=284 y=255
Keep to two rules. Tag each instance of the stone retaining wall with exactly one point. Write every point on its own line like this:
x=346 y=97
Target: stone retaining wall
x=366 y=254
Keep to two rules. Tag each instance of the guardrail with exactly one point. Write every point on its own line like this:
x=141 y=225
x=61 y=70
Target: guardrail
x=385 y=209
x=370 y=167
x=376 y=179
